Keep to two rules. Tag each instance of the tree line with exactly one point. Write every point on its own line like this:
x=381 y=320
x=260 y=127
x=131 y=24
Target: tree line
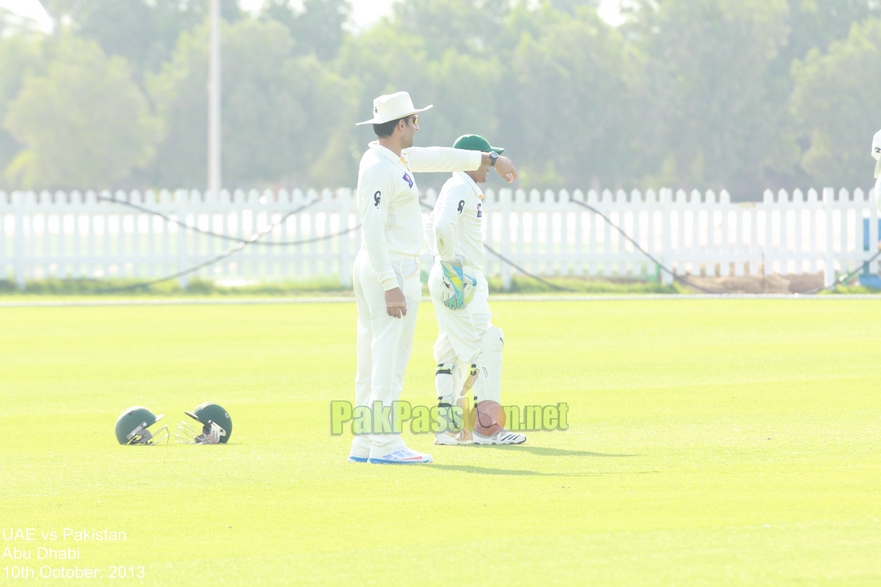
x=697 y=94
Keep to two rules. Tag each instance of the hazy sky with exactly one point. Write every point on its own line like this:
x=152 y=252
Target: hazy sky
x=367 y=11
x=364 y=11
x=30 y=9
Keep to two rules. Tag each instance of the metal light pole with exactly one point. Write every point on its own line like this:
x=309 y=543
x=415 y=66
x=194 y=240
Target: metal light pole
x=214 y=172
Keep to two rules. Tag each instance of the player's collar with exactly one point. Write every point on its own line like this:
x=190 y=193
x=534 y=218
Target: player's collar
x=389 y=154
x=467 y=179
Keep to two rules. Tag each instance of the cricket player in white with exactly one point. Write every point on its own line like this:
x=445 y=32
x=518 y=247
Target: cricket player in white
x=386 y=272
x=468 y=350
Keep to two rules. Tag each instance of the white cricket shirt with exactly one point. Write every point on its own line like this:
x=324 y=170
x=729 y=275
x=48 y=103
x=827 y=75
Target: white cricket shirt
x=388 y=201
x=455 y=225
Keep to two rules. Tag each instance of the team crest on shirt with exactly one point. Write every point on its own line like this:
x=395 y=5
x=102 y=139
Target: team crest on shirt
x=479 y=211
x=409 y=180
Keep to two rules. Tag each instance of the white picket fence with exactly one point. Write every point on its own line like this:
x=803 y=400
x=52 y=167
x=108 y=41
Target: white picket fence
x=102 y=235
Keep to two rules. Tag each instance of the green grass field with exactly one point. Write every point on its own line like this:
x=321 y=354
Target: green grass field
x=711 y=443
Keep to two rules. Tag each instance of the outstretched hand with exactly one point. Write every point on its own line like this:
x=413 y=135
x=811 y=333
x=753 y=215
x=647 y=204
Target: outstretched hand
x=505 y=168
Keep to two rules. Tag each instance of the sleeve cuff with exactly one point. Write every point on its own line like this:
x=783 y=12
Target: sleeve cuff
x=478 y=160
x=389 y=283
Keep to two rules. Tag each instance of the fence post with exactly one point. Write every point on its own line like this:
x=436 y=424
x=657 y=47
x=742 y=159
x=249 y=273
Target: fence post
x=182 y=196
x=18 y=245
x=345 y=196
x=505 y=205
x=666 y=197
x=873 y=230
x=829 y=273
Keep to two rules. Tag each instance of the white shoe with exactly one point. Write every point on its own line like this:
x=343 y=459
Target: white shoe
x=402 y=456
x=502 y=437
x=360 y=450
x=447 y=439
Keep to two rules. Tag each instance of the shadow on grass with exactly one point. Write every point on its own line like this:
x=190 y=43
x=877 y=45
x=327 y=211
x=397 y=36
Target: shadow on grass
x=521 y=473
x=489 y=471
x=547 y=451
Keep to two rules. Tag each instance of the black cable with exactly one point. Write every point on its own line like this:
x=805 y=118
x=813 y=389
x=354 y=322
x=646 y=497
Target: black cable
x=616 y=227
x=171 y=220
x=241 y=245
x=644 y=252
x=838 y=281
x=511 y=263
x=843 y=278
x=525 y=272
x=254 y=240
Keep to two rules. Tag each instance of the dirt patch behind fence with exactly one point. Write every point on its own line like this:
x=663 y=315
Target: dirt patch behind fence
x=759 y=284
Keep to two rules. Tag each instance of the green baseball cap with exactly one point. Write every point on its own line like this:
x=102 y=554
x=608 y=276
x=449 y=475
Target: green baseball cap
x=475 y=143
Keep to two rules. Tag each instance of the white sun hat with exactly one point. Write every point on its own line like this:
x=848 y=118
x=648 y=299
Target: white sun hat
x=392 y=107
x=876 y=152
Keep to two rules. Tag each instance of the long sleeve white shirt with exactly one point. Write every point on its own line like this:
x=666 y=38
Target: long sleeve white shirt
x=388 y=201
x=455 y=225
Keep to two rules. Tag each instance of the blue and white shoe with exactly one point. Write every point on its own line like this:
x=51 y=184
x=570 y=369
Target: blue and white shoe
x=356 y=459
x=402 y=456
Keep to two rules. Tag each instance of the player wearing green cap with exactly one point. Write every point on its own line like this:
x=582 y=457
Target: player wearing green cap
x=468 y=350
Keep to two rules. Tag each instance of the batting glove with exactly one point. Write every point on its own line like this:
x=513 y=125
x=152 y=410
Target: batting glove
x=458 y=285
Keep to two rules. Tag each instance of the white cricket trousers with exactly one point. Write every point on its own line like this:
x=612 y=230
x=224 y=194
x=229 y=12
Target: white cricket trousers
x=384 y=344
x=460 y=331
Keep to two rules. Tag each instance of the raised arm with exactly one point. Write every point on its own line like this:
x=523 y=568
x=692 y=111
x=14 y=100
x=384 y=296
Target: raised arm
x=440 y=159
x=429 y=159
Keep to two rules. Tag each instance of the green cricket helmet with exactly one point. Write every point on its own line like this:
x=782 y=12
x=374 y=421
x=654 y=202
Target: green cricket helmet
x=216 y=426
x=133 y=427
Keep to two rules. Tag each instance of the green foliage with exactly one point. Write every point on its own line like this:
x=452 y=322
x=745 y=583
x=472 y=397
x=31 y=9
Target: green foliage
x=697 y=94
x=468 y=26
x=317 y=29
x=521 y=284
x=835 y=101
x=385 y=60
x=705 y=104
x=19 y=57
x=144 y=32
x=116 y=287
x=815 y=24
x=570 y=99
x=196 y=288
x=276 y=108
x=84 y=124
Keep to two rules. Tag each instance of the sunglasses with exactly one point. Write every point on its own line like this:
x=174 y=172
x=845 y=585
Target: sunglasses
x=415 y=120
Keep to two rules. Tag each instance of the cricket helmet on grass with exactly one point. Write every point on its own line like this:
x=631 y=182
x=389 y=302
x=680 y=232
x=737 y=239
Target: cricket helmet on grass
x=216 y=426
x=132 y=427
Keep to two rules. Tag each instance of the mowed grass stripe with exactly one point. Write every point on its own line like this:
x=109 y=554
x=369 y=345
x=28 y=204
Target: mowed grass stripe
x=715 y=442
